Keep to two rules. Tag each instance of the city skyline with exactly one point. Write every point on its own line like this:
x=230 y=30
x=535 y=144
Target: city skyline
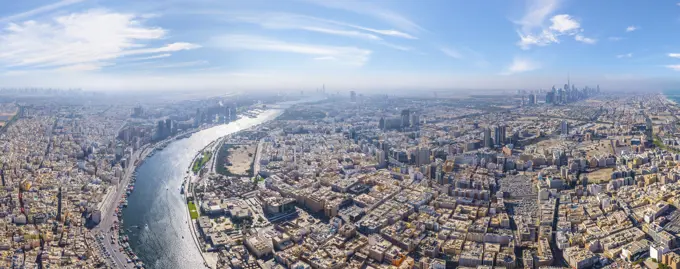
x=363 y=46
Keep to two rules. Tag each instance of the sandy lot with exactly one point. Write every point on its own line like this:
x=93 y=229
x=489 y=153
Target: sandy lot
x=597 y=148
x=240 y=158
x=600 y=176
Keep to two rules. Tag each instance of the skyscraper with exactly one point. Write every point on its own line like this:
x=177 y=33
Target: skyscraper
x=422 y=156
x=564 y=127
x=168 y=128
x=405 y=118
x=415 y=119
x=59 y=198
x=499 y=135
x=160 y=130
x=353 y=96
x=488 y=143
x=649 y=130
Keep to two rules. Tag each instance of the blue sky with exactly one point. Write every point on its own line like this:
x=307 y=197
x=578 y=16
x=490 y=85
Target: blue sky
x=346 y=45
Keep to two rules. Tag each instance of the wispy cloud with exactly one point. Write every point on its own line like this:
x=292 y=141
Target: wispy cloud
x=674 y=55
x=627 y=55
x=584 y=39
x=158 y=56
x=536 y=13
x=325 y=58
x=674 y=67
x=181 y=64
x=453 y=53
x=395 y=46
x=80 y=41
x=282 y=20
x=536 y=31
x=348 y=55
x=615 y=38
x=39 y=10
x=520 y=65
x=82 y=67
x=287 y=21
x=632 y=28
x=388 y=16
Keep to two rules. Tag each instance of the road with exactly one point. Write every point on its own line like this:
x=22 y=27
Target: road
x=256 y=164
x=108 y=208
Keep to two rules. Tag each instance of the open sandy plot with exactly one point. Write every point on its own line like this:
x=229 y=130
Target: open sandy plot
x=597 y=148
x=600 y=175
x=241 y=157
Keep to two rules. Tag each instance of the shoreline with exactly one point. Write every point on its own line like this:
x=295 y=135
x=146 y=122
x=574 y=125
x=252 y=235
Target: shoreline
x=111 y=198
x=669 y=99
x=189 y=179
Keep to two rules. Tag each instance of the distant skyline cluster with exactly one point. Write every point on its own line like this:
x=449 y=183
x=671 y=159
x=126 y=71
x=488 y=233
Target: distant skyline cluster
x=347 y=45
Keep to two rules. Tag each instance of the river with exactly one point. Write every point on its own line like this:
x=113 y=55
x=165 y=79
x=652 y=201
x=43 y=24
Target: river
x=159 y=209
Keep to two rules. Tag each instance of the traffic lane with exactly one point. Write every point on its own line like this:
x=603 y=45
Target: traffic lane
x=113 y=251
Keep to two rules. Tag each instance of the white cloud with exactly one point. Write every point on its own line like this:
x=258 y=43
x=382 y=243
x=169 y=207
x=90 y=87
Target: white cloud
x=157 y=56
x=541 y=39
x=369 y=9
x=342 y=33
x=325 y=58
x=535 y=31
x=81 y=67
x=181 y=64
x=564 y=23
x=80 y=41
x=615 y=38
x=39 y=10
x=627 y=55
x=394 y=46
x=674 y=55
x=297 y=22
x=520 y=65
x=584 y=39
x=536 y=13
x=392 y=33
x=282 y=20
x=452 y=53
x=674 y=67
x=348 y=55
x=631 y=28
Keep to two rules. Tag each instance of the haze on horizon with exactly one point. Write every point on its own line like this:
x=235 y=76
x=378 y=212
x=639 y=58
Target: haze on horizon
x=361 y=45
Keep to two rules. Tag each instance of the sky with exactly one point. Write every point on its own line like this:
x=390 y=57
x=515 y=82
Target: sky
x=366 y=46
